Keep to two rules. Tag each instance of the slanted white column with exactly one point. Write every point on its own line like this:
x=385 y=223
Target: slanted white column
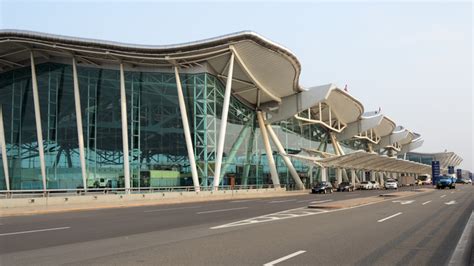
x=268 y=150
x=223 y=127
x=339 y=175
x=353 y=177
x=80 y=136
x=39 y=132
x=324 y=174
x=123 y=108
x=3 y=150
x=284 y=155
x=187 y=132
x=372 y=175
x=381 y=181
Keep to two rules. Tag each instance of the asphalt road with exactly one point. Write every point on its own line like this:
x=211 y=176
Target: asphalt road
x=419 y=230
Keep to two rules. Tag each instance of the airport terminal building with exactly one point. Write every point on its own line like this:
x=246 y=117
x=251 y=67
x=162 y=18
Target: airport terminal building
x=227 y=111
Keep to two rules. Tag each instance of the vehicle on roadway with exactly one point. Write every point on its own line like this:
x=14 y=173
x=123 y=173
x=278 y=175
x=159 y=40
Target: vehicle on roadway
x=424 y=179
x=365 y=185
x=375 y=185
x=391 y=184
x=323 y=187
x=445 y=182
x=345 y=186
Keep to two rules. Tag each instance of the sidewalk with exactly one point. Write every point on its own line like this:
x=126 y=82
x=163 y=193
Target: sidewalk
x=22 y=206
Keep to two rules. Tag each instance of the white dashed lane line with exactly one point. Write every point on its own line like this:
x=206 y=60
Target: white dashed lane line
x=34 y=231
x=424 y=203
x=222 y=210
x=287 y=257
x=390 y=217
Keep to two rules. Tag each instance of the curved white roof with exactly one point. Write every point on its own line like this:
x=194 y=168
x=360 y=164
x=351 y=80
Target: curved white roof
x=259 y=63
x=385 y=128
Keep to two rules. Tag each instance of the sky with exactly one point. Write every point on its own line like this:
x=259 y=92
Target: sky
x=412 y=60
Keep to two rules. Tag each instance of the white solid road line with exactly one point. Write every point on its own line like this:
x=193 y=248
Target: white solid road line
x=305 y=200
x=458 y=257
x=390 y=217
x=443 y=196
x=172 y=209
x=321 y=201
x=34 y=231
x=424 y=203
x=222 y=210
x=247 y=200
x=284 y=258
x=280 y=201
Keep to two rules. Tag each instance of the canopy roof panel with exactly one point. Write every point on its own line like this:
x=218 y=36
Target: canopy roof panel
x=259 y=63
x=369 y=161
x=386 y=127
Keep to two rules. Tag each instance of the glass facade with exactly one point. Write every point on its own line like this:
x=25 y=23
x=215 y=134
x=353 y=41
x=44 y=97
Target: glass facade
x=157 y=149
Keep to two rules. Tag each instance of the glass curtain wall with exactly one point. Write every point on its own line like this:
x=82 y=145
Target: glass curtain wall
x=157 y=149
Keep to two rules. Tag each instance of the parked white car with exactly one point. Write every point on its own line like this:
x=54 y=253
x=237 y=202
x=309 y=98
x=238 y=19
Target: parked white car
x=375 y=185
x=365 y=185
x=391 y=184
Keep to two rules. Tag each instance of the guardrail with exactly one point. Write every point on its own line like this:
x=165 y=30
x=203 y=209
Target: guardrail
x=39 y=193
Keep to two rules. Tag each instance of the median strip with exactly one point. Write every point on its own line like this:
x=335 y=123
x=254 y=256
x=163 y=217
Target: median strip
x=351 y=203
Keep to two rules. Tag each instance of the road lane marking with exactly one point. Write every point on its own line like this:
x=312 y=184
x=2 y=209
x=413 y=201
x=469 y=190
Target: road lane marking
x=443 y=196
x=280 y=201
x=390 y=217
x=172 y=209
x=222 y=210
x=450 y=202
x=305 y=200
x=287 y=257
x=247 y=200
x=34 y=231
x=282 y=215
x=457 y=258
x=321 y=201
x=404 y=202
x=424 y=203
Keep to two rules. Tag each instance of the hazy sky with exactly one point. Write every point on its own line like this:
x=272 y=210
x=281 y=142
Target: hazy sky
x=412 y=60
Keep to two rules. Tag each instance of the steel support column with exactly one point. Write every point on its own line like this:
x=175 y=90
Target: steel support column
x=284 y=155
x=123 y=108
x=248 y=157
x=353 y=177
x=339 y=175
x=80 y=136
x=324 y=174
x=223 y=127
x=187 y=132
x=235 y=147
x=268 y=150
x=39 y=132
x=3 y=150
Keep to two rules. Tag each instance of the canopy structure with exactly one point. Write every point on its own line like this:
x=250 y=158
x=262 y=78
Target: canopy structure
x=264 y=71
x=373 y=135
x=361 y=160
x=326 y=105
x=445 y=158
